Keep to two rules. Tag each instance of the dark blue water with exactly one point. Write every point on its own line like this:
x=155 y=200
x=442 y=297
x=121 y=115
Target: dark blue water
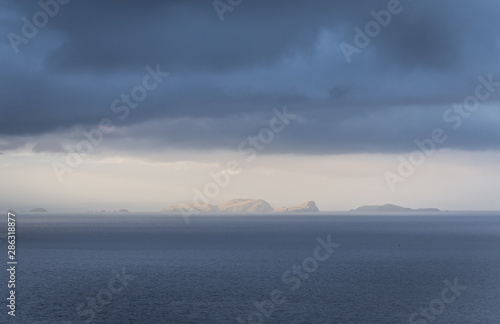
x=215 y=268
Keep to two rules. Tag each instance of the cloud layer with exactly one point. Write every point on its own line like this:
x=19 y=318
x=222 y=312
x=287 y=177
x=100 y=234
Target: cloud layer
x=226 y=76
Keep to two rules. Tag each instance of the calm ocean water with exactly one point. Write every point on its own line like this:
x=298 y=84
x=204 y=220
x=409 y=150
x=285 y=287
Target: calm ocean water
x=153 y=268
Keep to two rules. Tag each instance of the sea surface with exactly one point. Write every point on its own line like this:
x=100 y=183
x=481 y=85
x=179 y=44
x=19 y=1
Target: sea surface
x=321 y=268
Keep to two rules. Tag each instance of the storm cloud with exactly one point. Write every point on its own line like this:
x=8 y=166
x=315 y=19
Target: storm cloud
x=226 y=76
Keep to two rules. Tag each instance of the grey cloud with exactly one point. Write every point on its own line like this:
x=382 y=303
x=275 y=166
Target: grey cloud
x=265 y=54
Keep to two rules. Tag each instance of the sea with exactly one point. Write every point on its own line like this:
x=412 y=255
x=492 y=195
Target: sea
x=254 y=268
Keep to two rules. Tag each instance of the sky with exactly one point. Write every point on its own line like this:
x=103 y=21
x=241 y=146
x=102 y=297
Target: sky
x=140 y=105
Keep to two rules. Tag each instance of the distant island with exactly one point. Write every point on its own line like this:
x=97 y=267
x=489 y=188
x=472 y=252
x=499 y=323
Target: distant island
x=243 y=206
x=391 y=208
x=262 y=206
x=108 y=211
x=38 y=210
x=308 y=206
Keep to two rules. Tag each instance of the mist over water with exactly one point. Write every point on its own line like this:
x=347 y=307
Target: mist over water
x=215 y=269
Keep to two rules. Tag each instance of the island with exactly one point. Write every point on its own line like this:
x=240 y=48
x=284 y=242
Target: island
x=122 y=210
x=202 y=208
x=388 y=208
x=242 y=206
x=245 y=206
x=307 y=207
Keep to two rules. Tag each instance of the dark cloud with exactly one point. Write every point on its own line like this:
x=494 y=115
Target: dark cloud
x=225 y=77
